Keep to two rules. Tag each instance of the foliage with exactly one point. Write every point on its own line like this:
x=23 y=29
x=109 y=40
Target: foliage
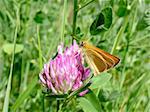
x=36 y=24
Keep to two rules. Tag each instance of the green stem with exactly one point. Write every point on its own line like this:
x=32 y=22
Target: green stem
x=119 y=35
x=22 y=73
x=74 y=18
x=39 y=47
x=117 y=39
x=30 y=88
x=6 y=100
x=63 y=20
x=43 y=104
x=40 y=60
x=58 y=104
x=26 y=76
x=123 y=76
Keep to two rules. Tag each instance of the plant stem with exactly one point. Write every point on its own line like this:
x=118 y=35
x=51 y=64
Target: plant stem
x=121 y=30
x=123 y=76
x=58 y=103
x=119 y=35
x=26 y=76
x=39 y=47
x=74 y=18
x=43 y=104
x=63 y=20
x=40 y=61
x=6 y=101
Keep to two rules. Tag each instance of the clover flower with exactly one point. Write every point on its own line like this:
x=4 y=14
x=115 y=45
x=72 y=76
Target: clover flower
x=66 y=72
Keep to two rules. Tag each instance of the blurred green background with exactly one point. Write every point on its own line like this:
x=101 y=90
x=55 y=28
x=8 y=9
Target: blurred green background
x=30 y=22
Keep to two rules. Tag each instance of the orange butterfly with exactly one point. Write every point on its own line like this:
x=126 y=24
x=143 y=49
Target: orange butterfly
x=98 y=59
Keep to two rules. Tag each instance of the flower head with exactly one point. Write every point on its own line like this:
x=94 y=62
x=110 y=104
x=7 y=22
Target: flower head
x=66 y=72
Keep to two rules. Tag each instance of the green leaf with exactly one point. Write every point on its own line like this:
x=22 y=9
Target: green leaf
x=94 y=100
x=105 y=95
x=100 y=80
x=114 y=95
x=144 y=22
x=78 y=30
x=86 y=105
x=8 y=48
x=39 y=17
x=102 y=22
x=122 y=10
x=79 y=34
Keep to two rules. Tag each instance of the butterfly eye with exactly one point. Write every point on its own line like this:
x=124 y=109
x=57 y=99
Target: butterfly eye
x=82 y=44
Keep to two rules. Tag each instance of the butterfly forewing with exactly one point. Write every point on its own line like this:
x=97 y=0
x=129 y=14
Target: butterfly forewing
x=96 y=63
x=98 y=59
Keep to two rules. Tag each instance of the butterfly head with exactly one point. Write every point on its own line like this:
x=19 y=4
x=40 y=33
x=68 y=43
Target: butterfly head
x=82 y=44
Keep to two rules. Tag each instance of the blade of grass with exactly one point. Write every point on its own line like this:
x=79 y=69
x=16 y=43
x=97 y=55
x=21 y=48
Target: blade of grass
x=22 y=72
x=41 y=63
x=123 y=76
x=74 y=18
x=119 y=35
x=26 y=76
x=140 y=39
x=10 y=17
x=136 y=91
x=24 y=95
x=6 y=100
x=63 y=21
x=30 y=88
x=147 y=107
x=39 y=48
x=122 y=29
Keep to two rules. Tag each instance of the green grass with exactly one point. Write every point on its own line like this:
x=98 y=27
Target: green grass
x=40 y=26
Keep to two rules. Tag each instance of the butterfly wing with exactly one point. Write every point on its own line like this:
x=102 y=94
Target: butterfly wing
x=95 y=63
x=98 y=59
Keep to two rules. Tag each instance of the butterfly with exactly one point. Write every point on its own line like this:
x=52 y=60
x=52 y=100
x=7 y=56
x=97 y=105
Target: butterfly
x=97 y=59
